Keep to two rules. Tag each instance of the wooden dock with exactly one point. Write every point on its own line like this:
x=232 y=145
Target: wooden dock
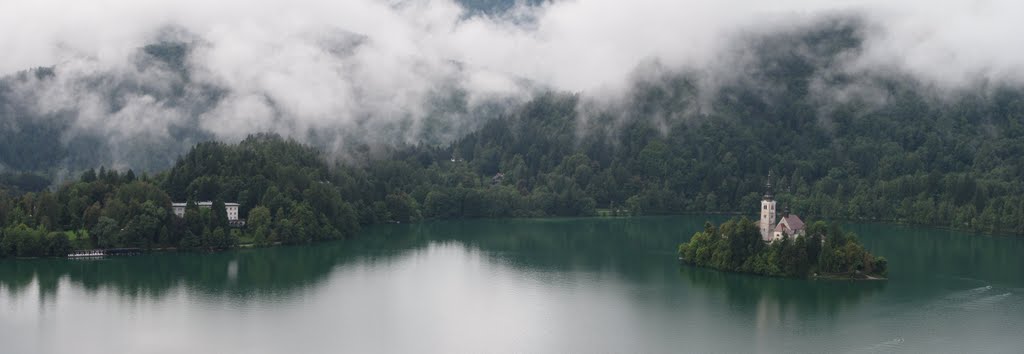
x=105 y=252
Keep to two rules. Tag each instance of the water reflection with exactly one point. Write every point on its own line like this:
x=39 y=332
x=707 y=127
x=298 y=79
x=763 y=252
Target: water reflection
x=586 y=285
x=265 y=272
x=915 y=251
x=784 y=297
x=636 y=250
x=632 y=248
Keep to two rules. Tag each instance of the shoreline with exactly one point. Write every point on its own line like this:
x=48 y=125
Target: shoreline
x=720 y=213
x=853 y=221
x=815 y=276
x=861 y=277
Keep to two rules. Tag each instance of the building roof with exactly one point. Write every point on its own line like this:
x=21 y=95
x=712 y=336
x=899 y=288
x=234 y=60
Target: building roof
x=790 y=224
x=794 y=222
x=203 y=204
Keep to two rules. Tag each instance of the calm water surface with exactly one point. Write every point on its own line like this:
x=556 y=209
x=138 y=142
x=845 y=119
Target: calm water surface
x=565 y=285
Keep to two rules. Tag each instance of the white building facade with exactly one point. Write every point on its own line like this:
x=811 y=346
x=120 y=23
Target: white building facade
x=767 y=220
x=232 y=209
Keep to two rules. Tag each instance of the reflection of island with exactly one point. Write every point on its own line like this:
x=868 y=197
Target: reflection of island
x=780 y=297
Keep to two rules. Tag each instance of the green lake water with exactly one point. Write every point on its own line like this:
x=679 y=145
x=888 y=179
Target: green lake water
x=558 y=285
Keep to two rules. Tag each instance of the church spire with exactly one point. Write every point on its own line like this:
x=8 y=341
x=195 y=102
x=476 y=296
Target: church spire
x=768 y=187
x=767 y=220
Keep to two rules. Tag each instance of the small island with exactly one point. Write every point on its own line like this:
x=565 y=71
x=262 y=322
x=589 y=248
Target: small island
x=788 y=249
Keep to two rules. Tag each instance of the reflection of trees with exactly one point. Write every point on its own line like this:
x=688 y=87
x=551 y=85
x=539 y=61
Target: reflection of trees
x=631 y=247
x=912 y=251
x=263 y=272
x=637 y=250
x=634 y=248
x=802 y=296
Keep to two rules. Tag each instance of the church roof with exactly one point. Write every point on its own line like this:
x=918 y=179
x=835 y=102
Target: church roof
x=794 y=222
x=768 y=195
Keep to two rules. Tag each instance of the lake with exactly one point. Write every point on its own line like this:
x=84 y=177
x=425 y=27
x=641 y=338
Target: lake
x=547 y=285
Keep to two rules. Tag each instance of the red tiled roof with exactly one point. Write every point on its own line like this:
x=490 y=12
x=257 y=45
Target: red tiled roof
x=794 y=222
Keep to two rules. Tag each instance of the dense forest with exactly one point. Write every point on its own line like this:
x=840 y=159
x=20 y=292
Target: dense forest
x=824 y=250
x=284 y=187
x=910 y=156
x=906 y=152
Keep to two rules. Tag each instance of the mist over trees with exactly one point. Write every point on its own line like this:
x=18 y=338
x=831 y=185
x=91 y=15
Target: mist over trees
x=496 y=7
x=875 y=145
x=892 y=152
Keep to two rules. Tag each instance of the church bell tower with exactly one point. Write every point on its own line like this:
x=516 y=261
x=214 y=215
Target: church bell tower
x=767 y=221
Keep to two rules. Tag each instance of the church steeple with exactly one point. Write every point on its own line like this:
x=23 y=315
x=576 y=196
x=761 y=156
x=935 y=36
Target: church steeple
x=767 y=220
x=768 y=187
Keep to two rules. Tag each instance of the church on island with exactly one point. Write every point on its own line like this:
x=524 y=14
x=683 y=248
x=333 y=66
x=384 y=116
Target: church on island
x=789 y=225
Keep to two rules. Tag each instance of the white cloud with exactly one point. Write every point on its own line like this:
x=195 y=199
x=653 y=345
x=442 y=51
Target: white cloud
x=293 y=66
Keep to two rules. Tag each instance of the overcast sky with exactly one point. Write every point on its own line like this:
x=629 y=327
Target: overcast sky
x=573 y=45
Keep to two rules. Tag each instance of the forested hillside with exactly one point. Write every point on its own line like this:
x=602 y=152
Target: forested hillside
x=873 y=145
x=285 y=190
x=909 y=155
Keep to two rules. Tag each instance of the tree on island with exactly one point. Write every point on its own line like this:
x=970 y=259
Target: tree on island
x=736 y=246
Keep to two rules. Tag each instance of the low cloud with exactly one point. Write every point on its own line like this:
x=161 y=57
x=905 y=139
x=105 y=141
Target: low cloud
x=384 y=72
